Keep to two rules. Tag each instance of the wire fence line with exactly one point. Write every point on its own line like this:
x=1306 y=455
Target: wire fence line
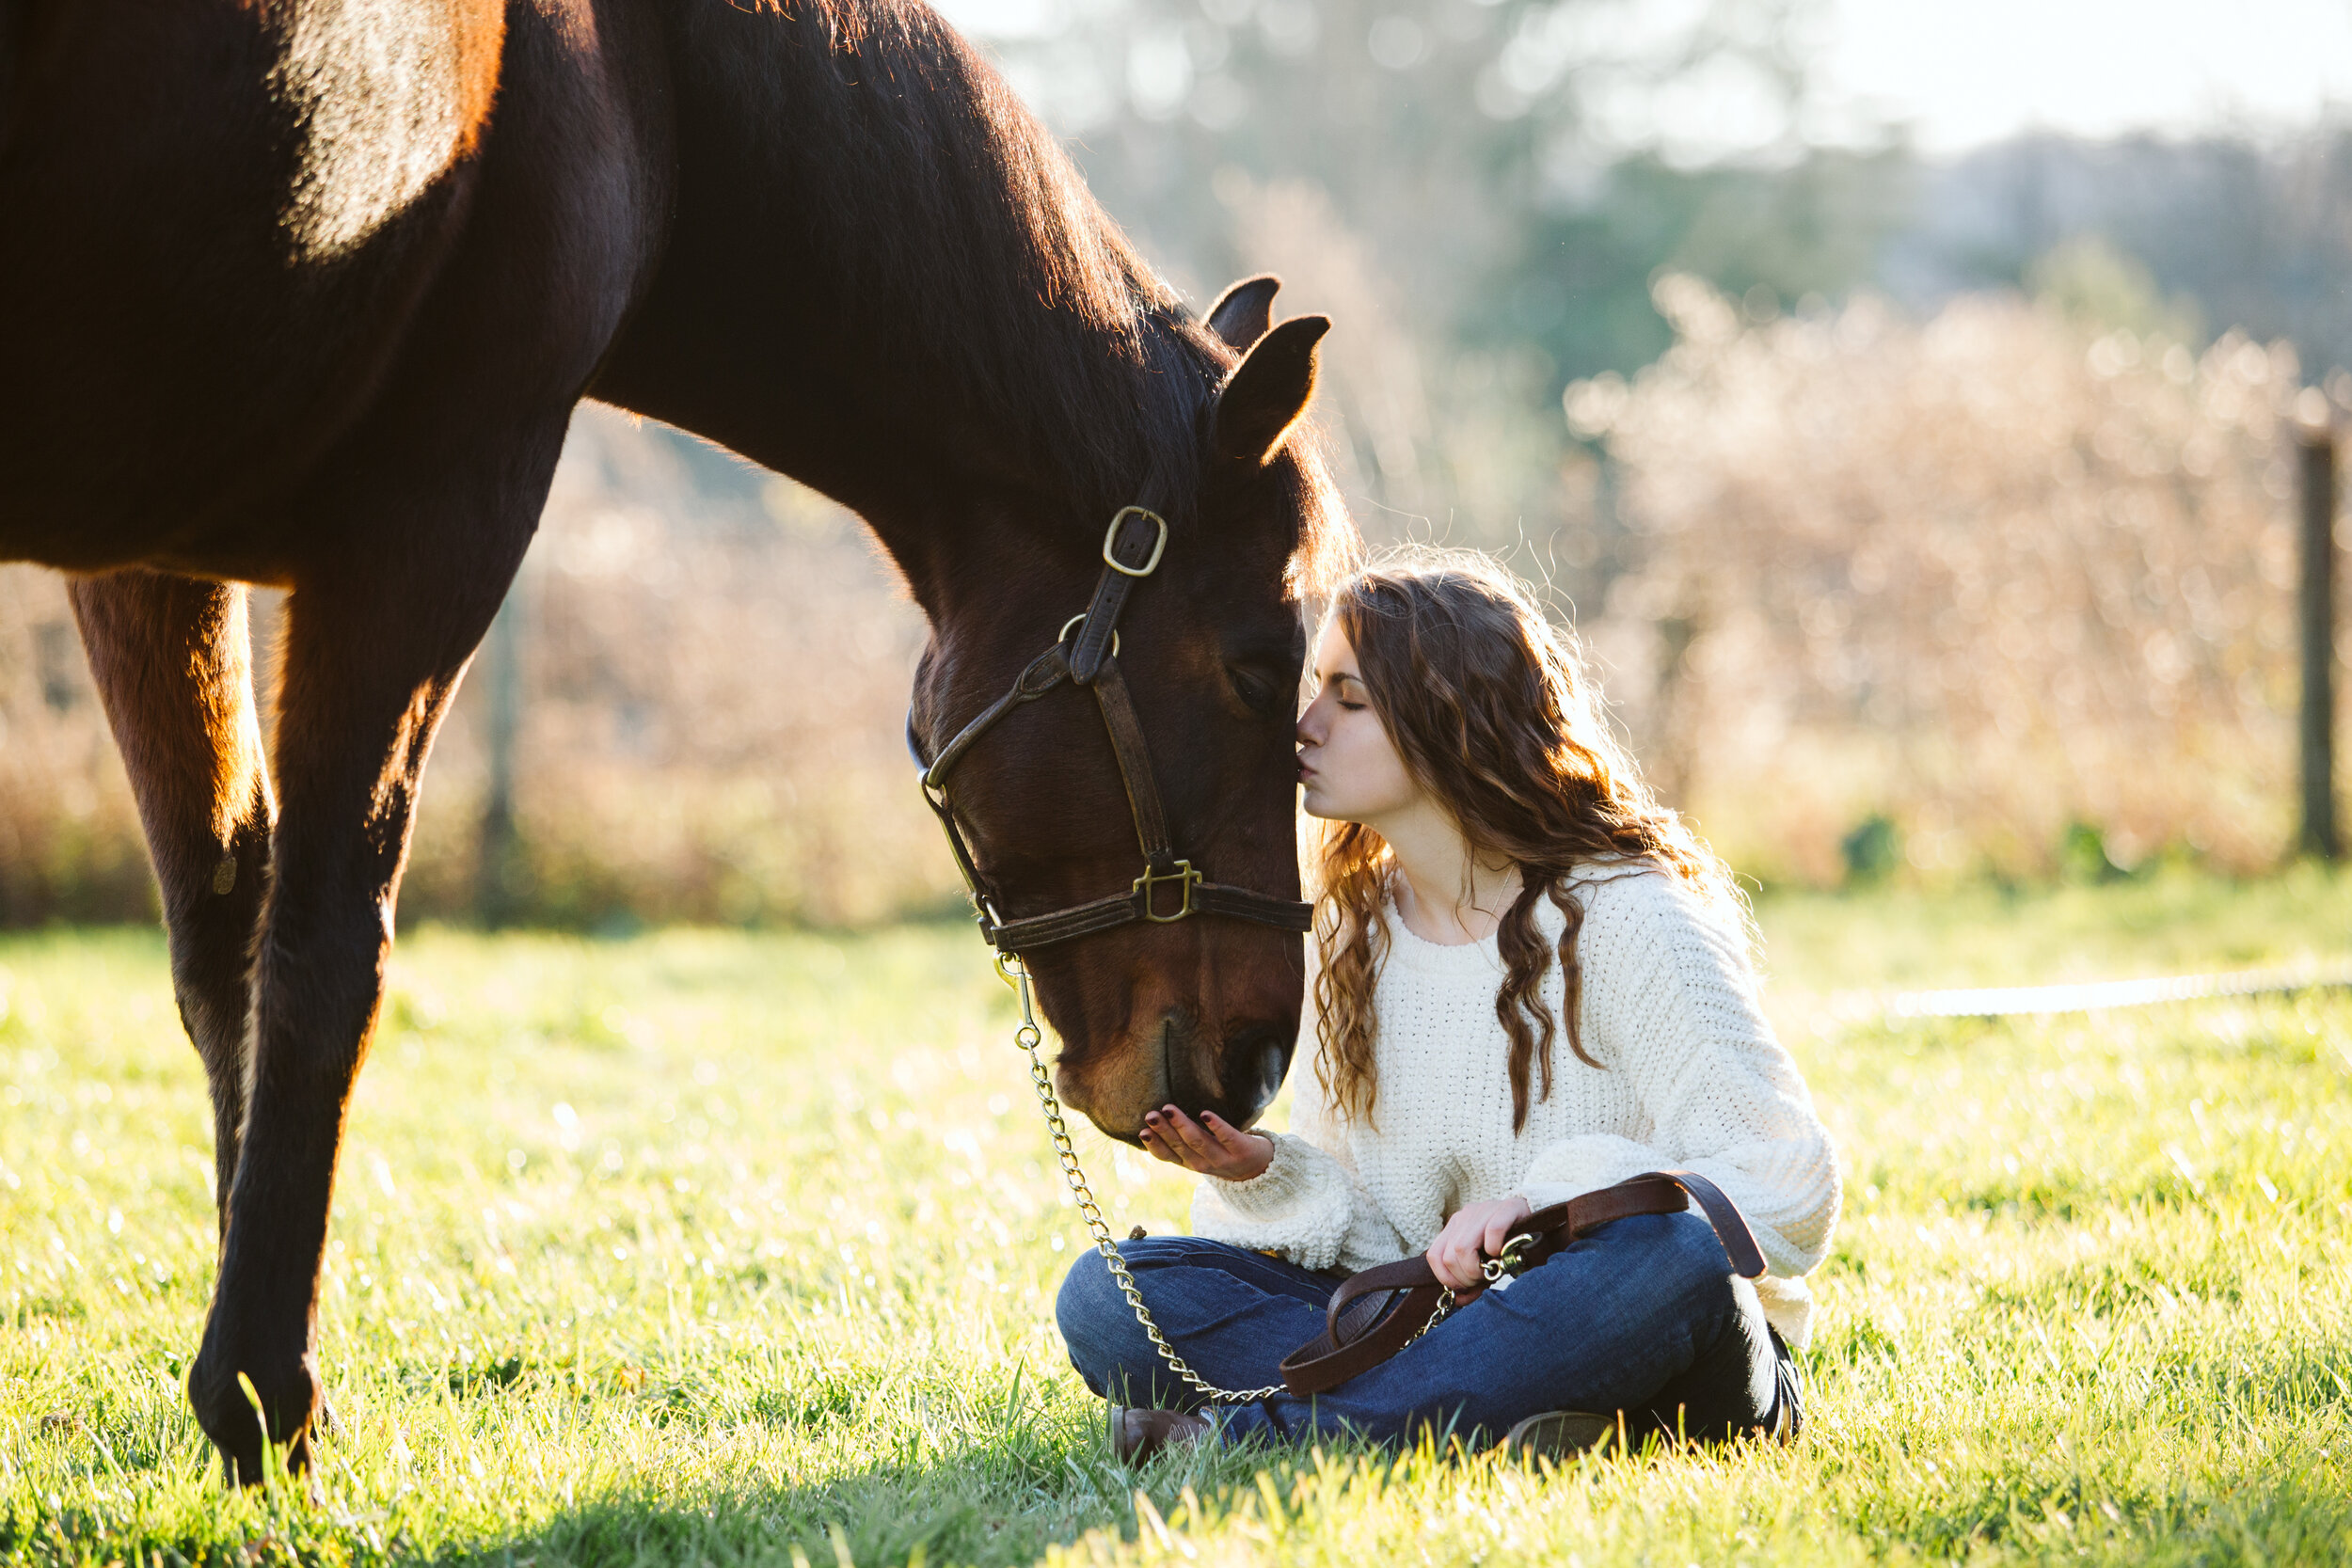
x=2097 y=995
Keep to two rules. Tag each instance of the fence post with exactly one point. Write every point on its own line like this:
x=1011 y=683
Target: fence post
x=2315 y=606
x=494 y=871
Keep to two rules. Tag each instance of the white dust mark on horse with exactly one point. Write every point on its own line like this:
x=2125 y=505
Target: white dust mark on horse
x=376 y=87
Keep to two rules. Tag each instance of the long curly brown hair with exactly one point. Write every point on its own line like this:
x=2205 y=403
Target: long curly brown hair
x=1492 y=711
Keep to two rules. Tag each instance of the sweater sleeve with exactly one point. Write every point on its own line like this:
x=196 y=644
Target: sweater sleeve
x=1670 y=1001
x=1308 y=1204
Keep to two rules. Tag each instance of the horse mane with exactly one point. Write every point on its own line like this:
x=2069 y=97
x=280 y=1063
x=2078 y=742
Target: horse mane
x=950 y=214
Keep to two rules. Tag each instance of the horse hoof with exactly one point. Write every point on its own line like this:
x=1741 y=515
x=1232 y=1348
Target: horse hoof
x=224 y=1403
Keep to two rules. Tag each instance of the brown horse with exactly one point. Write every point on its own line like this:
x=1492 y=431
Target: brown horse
x=303 y=293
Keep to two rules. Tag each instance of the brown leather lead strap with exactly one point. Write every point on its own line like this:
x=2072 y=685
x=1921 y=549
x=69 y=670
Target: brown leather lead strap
x=1371 y=1317
x=1731 y=1227
x=1378 y=1312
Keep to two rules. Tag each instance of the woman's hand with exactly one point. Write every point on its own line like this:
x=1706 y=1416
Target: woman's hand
x=1212 y=1146
x=1475 y=1233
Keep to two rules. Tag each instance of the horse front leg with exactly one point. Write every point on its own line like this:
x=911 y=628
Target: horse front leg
x=171 y=659
x=375 y=646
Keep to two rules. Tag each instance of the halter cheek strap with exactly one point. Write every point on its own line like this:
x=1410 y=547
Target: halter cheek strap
x=1169 y=888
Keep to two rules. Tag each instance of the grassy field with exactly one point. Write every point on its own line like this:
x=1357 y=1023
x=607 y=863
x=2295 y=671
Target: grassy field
x=716 y=1248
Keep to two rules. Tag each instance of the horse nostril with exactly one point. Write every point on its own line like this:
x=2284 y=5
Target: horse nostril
x=1262 y=1058
x=1275 y=1065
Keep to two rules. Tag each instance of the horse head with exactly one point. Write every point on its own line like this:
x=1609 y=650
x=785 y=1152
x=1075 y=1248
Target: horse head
x=1200 y=1010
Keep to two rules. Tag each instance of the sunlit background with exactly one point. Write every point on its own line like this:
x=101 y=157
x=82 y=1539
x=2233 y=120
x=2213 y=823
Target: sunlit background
x=1900 y=398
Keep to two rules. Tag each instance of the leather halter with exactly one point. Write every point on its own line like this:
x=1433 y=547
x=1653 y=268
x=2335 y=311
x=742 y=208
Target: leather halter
x=1169 y=888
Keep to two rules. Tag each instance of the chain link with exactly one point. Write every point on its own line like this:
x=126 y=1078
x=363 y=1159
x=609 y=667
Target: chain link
x=1031 y=1038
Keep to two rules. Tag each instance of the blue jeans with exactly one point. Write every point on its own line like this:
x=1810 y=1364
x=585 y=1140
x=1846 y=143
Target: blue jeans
x=1641 y=1316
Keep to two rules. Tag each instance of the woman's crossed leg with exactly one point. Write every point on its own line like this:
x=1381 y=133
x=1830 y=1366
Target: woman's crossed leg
x=1644 y=1317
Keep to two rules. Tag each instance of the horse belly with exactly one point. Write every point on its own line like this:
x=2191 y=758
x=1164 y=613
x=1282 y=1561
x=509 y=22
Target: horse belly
x=215 y=221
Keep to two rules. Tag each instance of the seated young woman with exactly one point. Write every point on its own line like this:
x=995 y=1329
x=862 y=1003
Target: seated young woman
x=1527 y=981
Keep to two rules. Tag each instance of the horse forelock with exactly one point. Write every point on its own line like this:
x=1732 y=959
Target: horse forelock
x=1328 y=547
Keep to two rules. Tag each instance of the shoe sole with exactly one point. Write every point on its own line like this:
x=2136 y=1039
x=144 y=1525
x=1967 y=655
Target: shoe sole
x=1559 y=1434
x=1149 y=1446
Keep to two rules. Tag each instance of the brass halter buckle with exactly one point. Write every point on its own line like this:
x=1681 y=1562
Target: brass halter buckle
x=1185 y=878
x=1110 y=541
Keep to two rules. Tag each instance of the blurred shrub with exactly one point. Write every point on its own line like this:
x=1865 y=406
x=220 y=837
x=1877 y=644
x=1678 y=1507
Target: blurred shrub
x=711 y=683
x=70 y=846
x=1873 y=852
x=1986 y=576
x=2082 y=855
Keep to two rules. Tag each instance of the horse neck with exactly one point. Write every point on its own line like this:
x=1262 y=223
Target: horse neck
x=903 y=296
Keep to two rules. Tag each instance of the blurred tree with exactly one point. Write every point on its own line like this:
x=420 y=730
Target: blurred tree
x=1579 y=284
x=2090 y=284
x=1441 y=129
x=2252 y=234
x=1482 y=191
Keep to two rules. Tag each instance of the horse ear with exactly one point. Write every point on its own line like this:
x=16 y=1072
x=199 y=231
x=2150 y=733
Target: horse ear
x=1243 y=312
x=1268 y=391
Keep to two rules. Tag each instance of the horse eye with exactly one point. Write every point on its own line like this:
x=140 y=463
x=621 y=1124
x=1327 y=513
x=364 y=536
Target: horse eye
x=1255 y=691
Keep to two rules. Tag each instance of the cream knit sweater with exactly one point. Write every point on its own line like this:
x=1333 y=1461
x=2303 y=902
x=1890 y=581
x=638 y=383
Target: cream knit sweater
x=1691 y=1076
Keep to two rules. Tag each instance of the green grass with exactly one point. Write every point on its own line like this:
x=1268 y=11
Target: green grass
x=715 y=1248
x=2171 y=921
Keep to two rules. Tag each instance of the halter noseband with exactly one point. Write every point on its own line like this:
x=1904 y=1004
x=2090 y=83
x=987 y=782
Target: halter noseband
x=1093 y=660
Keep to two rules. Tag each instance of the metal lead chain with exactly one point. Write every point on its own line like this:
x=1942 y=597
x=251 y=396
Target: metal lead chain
x=1029 y=1038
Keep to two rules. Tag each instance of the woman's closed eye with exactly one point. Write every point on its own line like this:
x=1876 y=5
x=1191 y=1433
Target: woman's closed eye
x=1346 y=689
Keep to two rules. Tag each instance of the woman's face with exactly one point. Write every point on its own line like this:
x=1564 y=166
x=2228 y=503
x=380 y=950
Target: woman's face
x=1347 y=765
